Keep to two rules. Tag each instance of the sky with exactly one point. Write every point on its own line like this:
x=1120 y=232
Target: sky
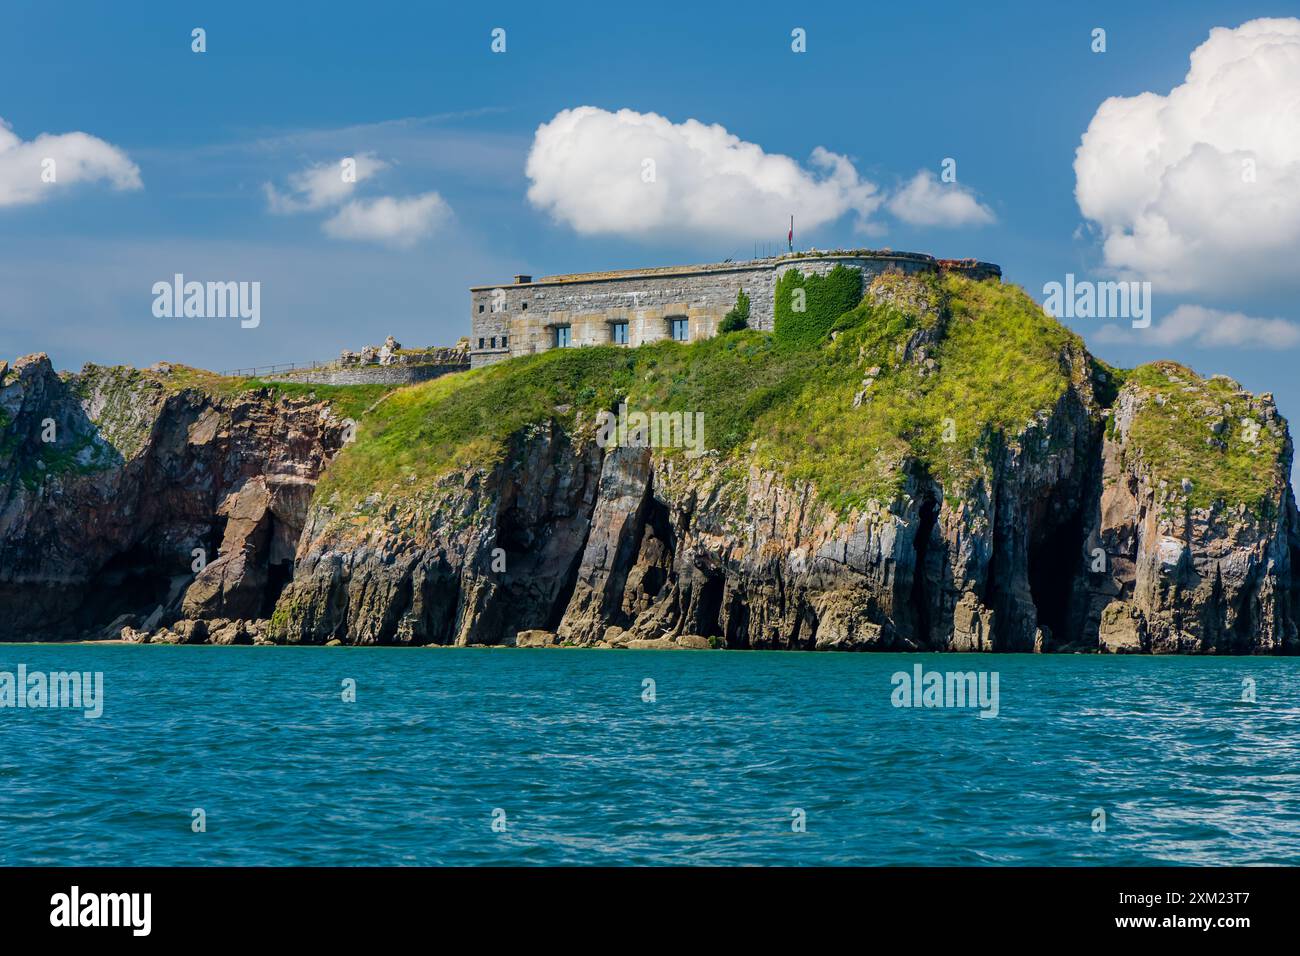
x=994 y=131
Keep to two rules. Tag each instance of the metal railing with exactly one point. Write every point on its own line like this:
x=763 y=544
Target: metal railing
x=257 y=370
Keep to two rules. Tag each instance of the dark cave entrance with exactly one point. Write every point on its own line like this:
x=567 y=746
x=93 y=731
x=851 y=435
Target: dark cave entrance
x=1054 y=557
x=919 y=597
x=133 y=582
x=709 y=608
x=278 y=576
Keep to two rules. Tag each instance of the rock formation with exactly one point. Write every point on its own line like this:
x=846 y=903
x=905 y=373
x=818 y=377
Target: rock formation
x=117 y=484
x=1148 y=511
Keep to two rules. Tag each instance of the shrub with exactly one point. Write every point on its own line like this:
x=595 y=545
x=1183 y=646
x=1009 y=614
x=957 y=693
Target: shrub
x=825 y=299
x=738 y=317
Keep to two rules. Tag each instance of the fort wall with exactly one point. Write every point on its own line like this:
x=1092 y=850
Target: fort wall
x=525 y=316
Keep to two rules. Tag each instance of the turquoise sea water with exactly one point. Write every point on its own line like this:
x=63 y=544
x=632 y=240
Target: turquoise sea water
x=587 y=772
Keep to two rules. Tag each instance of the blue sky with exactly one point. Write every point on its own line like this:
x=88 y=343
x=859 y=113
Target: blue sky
x=1007 y=90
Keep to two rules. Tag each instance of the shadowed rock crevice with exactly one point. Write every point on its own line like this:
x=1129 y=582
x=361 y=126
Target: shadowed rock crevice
x=1055 y=550
x=923 y=593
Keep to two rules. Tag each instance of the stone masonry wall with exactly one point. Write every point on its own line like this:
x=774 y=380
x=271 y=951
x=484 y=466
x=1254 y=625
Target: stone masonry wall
x=368 y=374
x=521 y=318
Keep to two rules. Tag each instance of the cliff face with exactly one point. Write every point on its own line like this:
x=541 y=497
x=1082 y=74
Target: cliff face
x=111 y=479
x=1181 y=570
x=1063 y=533
x=952 y=471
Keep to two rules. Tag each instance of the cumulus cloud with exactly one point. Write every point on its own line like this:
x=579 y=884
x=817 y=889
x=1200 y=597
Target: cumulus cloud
x=1200 y=189
x=631 y=173
x=78 y=158
x=1208 y=328
x=323 y=184
x=396 y=221
x=399 y=221
x=925 y=201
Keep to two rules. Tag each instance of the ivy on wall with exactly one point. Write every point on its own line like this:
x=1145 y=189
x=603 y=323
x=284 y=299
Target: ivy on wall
x=808 y=306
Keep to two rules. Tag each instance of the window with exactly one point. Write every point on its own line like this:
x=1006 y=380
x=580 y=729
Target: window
x=618 y=333
x=494 y=341
x=525 y=307
x=562 y=336
x=480 y=306
x=681 y=329
x=505 y=341
x=480 y=343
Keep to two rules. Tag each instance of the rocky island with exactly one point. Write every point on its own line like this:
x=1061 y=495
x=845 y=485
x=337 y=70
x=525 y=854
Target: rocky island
x=937 y=466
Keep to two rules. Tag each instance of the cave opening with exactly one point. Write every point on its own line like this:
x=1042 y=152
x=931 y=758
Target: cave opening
x=1054 y=556
x=278 y=576
x=709 y=608
x=132 y=582
x=919 y=597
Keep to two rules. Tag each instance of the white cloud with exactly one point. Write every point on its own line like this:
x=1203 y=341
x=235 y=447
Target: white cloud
x=396 y=221
x=393 y=220
x=1167 y=177
x=925 y=201
x=323 y=184
x=1208 y=328
x=588 y=168
x=78 y=158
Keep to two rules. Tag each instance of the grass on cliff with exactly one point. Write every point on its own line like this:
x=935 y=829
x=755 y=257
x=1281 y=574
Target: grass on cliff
x=1174 y=434
x=347 y=401
x=786 y=407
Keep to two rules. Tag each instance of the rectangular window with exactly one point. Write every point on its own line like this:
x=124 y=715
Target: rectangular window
x=480 y=306
x=681 y=329
x=618 y=333
x=505 y=341
x=494 y=341
x=562 y=336
x=525 y=307
x=480 y=343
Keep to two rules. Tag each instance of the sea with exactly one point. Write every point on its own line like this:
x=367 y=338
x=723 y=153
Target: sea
x=480 y=756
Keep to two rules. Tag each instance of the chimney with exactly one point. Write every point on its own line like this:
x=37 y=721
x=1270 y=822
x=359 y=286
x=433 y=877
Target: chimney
x=521 y=279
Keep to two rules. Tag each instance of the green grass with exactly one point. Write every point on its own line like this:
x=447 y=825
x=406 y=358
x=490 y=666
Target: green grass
x=1175 y=439
x=985 y=361
x=423 y=430
x=788 y=409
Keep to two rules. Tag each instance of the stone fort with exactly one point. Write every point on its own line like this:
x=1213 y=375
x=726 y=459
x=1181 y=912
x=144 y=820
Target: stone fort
x=634 y=306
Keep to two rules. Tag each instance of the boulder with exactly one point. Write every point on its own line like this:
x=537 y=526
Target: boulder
x=693 y=642
x=536 y=638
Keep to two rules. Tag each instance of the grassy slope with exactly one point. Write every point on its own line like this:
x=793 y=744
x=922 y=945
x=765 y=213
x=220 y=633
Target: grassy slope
x=1176 y=441
x=783 y=407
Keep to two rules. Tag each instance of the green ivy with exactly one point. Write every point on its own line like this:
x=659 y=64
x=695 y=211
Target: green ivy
x=825 y=299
